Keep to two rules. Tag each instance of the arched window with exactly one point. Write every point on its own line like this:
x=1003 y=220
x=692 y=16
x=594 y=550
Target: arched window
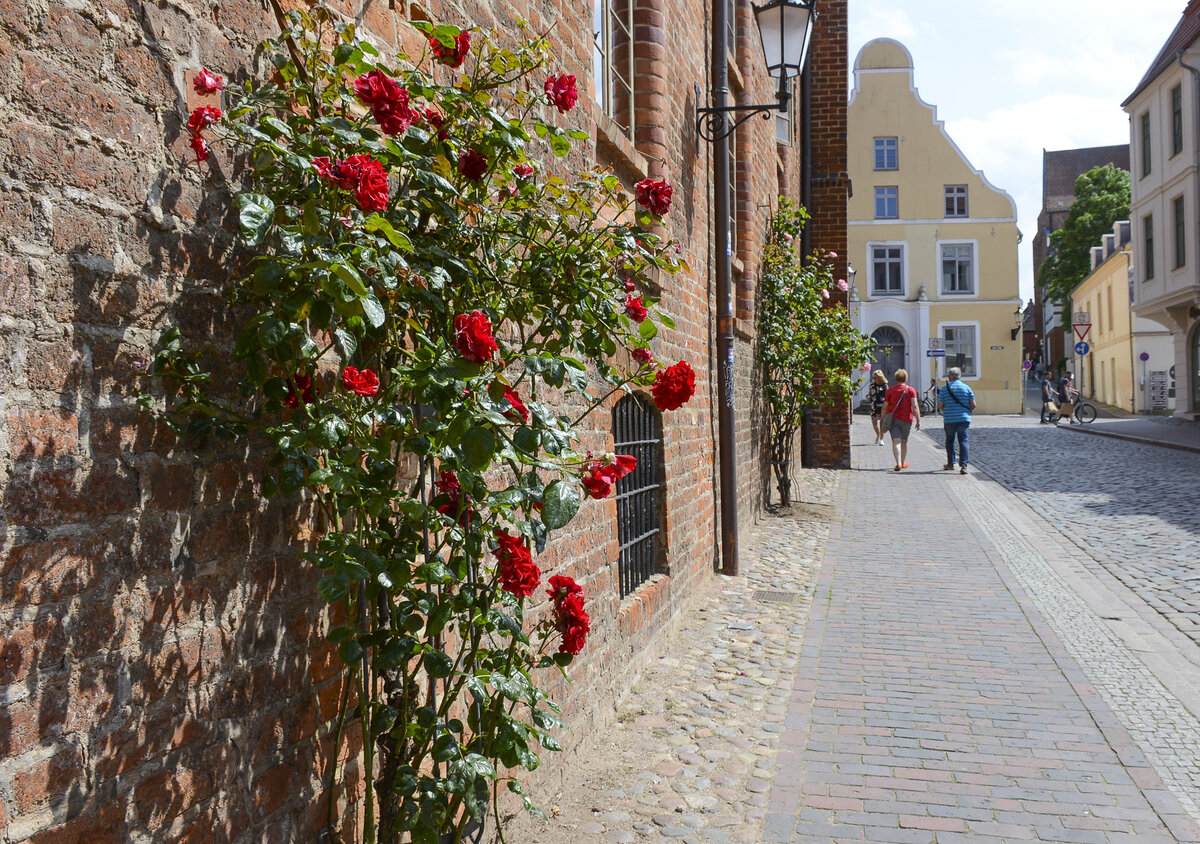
x=637 y=430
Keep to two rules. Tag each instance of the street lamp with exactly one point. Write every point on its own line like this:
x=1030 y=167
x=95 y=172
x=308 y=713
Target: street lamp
x=1019 y=316
x=785 y=27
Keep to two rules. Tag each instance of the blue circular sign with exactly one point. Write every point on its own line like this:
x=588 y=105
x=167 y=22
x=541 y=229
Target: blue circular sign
x=1082 y=348
x=1027 y=365
x=1144 y=356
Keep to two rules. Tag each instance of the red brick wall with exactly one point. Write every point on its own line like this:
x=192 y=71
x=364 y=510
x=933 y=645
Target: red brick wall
x=163 y=675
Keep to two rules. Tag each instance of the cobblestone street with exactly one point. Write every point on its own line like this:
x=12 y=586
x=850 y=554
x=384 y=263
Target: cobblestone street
x=926 y=657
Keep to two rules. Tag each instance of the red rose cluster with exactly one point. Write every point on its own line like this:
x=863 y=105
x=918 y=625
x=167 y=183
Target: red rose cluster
x=655 y=196
x=448 y=486
x=643 y=355
x=387 y=100
x=207 y=83
x=634 y=309
x=307 y=394
x=601 y=475
x=360 y=174
x=452 y=56
x=518 y=572
x=473 y=336
x=364 y=382
x=518 y=408
x=523 y=171
x=570 y=618
x=200 y=120
x=562 y=92
x=673 y=386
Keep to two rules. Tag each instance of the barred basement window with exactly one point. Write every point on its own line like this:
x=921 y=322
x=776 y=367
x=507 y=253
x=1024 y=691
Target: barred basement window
x=637 y=430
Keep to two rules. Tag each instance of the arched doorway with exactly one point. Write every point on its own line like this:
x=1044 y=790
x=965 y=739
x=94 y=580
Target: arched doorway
x=889 y=351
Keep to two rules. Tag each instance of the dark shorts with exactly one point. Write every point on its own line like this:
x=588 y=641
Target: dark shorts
x=900 y=429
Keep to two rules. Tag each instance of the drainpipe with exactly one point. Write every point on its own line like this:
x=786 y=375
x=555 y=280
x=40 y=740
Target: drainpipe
x=1128 y=253
x=1196 y=220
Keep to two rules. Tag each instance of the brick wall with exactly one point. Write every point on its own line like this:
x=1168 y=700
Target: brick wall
x=163 y=677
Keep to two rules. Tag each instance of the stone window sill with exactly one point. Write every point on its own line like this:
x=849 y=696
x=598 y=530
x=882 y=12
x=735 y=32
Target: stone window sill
x=616 y=145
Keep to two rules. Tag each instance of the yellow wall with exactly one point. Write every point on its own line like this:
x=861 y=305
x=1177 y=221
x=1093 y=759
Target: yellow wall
x=1104 y=295
x=886 y=104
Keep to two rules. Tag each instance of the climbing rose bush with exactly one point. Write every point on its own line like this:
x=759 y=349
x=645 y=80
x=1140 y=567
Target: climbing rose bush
x=432 y=310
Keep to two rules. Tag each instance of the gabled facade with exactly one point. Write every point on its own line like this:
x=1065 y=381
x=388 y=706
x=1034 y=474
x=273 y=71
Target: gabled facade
x=1165 y=205
x=933 y=242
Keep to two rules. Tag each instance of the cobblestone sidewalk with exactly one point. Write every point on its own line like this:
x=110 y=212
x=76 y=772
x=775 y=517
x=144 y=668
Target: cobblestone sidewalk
x=694 y=753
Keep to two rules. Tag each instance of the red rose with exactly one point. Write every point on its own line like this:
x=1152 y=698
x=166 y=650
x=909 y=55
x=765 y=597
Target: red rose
x=642 y=355
x=596 y=488
x=206 y=82
x=436 y=121
x=625 y=464
x=375 y=87
x=455 y=500
x=304 y=384
x=345 y=174
x=518 y=407
x=562 y=92
x=518 y=573
x=570 y=618
x=472 y=164
x=200 y=145
x=452 y=56
x=202 y=118
x=365 y=383
x=673 y=386
x=473 y=336
x=322 y=164
x=523 y=171
x=634 y=309
x=629 y=285
x=372 y=188
x=387 y=100
x=655 y=196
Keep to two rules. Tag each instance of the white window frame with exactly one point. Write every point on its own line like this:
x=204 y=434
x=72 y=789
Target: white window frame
x=974 y=326
x=896 y=198
x=605 y=68
x=894 y=149
x=870 y=263
x=946 y=196
x=973 y=293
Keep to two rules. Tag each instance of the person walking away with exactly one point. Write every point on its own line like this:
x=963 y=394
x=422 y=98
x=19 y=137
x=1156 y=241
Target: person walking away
x=875 y=395
x=1049 y=408
x=901 y=402
x=956 y=401
x=1066 y=398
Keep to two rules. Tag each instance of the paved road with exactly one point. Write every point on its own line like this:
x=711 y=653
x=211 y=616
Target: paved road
x=933 y=701
x=1131 y=507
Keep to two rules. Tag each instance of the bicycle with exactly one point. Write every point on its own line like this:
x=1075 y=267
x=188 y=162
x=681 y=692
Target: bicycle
x=1083 y=412
x=929 y=401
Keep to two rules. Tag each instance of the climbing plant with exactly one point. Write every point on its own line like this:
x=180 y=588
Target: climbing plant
x=809 y=351
x=432 y=307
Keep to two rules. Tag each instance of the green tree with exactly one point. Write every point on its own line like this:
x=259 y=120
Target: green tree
x=1101 y=198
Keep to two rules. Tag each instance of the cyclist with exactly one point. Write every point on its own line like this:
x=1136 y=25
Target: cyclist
x=1066 y=398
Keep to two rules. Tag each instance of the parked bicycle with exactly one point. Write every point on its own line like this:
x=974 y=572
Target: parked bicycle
x=929 y=400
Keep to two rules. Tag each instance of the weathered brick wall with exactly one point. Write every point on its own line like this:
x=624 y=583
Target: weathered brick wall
x=163 y=676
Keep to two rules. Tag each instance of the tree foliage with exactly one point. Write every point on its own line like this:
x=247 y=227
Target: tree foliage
x=809 y=351
x=1101 y=199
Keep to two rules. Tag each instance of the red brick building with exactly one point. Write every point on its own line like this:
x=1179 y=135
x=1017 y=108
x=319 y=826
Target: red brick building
x=163 y=674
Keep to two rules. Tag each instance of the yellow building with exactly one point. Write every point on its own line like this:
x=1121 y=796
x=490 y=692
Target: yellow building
x=933 y=242
x=1128 y=356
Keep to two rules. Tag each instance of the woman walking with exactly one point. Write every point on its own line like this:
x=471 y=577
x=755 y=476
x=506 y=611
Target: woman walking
x=901 y=403
x=875 y=396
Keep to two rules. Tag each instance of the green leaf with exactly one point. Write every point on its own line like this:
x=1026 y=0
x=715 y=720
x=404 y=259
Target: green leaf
x=559 y=144
x=350 y=275
x=373 y=311
x=666 y=320
x=347 y=343
x=560 y=503
x=478 y=446
x=437 y=664
x=291 y=477
x=255 y=213
x=647 y=329
x=275 y=127
x=376 y=223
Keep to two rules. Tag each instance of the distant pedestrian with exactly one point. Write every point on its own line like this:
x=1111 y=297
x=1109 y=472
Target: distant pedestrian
x=875 y=395
x=901 y=402
x=1049 y=408
x=956 y=401
x=1066 y=398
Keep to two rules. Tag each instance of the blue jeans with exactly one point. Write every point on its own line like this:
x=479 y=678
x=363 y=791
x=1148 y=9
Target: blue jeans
x=959 y=430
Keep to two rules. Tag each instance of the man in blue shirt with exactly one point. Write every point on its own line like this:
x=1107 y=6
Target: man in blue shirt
x=956 y=401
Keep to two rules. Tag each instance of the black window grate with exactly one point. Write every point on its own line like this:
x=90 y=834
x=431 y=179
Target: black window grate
x=637 y=432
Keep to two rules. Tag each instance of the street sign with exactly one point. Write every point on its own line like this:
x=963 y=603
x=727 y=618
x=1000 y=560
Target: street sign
x=1158 y=389
x=935 y=353
x=1144 y=356
x=1083 y=316
x=937 y=343
x=1082 y=348
x=1082 y=329
x=1027 y=364
x=997 y=348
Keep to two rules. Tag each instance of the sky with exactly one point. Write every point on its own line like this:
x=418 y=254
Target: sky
x=1011 y=79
